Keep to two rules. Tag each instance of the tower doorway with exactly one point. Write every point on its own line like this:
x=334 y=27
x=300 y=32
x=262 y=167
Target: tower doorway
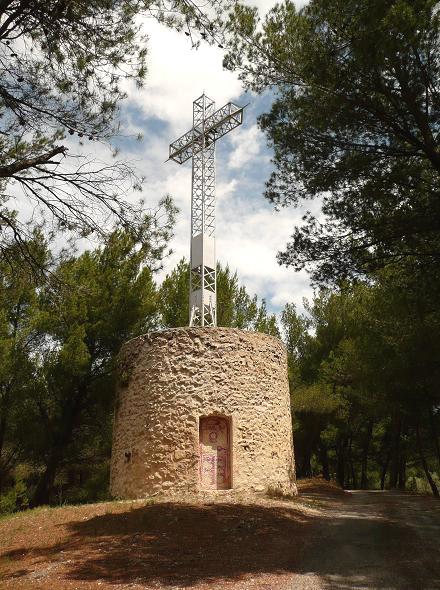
x=215 y=453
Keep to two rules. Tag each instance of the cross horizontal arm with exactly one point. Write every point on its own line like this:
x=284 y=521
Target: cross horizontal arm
x=223 y=121
x=215 y=126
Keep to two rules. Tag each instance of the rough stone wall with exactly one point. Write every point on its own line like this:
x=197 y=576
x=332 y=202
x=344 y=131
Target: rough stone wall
x=169 y=379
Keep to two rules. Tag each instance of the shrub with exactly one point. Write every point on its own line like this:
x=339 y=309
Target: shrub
x=15 y=499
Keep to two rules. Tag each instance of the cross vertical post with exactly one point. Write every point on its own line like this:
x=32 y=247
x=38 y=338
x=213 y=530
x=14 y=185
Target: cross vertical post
x=199 y=144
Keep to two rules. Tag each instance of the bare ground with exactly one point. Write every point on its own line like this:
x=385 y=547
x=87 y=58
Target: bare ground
x=325 y=539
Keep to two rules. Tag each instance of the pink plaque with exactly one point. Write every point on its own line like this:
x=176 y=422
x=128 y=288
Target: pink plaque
x=214 y=453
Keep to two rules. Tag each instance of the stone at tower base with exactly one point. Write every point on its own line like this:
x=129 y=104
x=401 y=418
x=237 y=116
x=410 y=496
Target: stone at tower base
x=202 y=409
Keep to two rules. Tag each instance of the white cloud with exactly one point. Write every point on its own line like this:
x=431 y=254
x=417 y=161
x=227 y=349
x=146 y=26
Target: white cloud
x=177 y=75
x=246 y=146
x=265 y=5
x=249 y=239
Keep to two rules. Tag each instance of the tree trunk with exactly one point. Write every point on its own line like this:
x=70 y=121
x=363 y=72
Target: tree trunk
x=341 y=448
x=386 y=453
x=401 y=483
x=403 y=450
x=309 y=443
x=353 y=475
x=5 y=405
x=384 y=472
x=306 y=462
x=365 y=451
x=4 y=415
x=2 y=438
x=61 y=439
x=323 y=455
x=434 y=432
x=351 y=465
x=425 y=464
x=395 y=451
x=44 y=487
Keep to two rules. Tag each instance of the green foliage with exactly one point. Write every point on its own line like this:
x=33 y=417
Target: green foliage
x=365 y=380
x=316 y=398
x=235 y=307
x=19 y=338
x=354 y=124
x=59 y=338
x=93 y=485
x=88 y=308
x=15 y=499
x=174 y=297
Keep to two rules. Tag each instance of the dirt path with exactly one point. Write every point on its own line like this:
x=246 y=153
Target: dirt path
x=380 y=540
x=323 y=540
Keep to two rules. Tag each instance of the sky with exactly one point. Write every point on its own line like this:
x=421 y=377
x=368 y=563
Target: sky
x=249 y=231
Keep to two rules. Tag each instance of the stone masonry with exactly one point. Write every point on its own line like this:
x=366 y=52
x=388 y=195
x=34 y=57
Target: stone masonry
x=175 y=383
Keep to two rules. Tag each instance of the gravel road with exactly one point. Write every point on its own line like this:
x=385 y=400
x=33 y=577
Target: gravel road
x=372 y=539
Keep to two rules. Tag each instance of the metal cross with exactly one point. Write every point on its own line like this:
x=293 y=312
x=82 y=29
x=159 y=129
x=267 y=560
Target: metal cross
x=199 y=144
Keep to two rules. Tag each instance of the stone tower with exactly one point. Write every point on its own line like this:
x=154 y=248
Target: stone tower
x=202 y=409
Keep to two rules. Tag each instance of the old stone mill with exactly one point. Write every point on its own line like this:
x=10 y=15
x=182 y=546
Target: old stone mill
x=201 y=409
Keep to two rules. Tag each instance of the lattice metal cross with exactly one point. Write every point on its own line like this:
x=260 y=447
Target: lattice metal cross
x=199 y=144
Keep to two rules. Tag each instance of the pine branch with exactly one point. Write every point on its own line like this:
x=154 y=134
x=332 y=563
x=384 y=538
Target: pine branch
x=19 y=165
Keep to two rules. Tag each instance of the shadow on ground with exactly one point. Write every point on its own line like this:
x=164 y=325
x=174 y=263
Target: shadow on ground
x=362 y=541
x=177 y=544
